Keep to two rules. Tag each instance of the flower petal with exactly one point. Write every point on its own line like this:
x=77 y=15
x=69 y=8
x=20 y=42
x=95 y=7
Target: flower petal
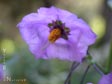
x=106 y=79
x=49 y=14
x=56 y=14
x=64 y=50
x=75 y=38
x=87 y=36
x=64 y=15
x=35 y=34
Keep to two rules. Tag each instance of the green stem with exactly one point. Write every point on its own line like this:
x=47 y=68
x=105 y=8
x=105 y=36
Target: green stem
x=74 y=66
x=98 y=69
x=95 y=65
x=109 y=65
x=85 y=73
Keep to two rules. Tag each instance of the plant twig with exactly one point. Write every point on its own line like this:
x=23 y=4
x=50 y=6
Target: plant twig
x=98 y=69
x=85 y=73
x=73 y=67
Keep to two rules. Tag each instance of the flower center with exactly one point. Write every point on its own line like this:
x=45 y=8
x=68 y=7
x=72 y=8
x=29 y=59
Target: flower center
x=54 y=35
x=57 y=30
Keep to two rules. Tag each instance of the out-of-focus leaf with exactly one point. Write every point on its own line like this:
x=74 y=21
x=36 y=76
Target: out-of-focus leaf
x=109 y=65
x=109 y=2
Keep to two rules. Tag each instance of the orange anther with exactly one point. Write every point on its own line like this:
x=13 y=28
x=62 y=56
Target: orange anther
x=54 y=35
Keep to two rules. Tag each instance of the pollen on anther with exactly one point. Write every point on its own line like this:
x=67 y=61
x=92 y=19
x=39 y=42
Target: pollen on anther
x=54 y=35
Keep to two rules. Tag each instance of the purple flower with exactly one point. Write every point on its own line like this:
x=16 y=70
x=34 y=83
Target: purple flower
x=106 y=79
x=56 y=33
x=1 y=71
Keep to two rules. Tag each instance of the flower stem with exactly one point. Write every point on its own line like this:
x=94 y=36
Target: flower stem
x=109 y=66
x=85 y=73
x=98 y=69
x=73 y=67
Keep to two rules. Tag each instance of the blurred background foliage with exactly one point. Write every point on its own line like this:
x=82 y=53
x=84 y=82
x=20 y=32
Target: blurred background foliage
x=20 y=63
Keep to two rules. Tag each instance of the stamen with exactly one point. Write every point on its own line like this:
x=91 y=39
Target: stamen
x=54 y=35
